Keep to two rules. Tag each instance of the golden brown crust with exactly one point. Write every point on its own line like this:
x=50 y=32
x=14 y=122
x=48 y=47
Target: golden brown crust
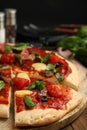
x=4 y=111
x=73 y=79
x=38 y=117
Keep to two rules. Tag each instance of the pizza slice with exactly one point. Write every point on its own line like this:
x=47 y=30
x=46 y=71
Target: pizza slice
x=5 y=93
x=40 y=102
x=5 y=89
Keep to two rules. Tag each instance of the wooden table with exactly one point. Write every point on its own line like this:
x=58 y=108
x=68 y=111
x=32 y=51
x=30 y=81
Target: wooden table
x=79 y=124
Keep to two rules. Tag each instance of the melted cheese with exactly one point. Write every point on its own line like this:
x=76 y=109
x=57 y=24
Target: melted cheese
x=39 y=66
x=23 y=75
x=22 y=92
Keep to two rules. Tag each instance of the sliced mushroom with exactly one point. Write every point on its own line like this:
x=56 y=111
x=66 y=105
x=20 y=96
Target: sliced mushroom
x=46 y=73
x=4 y=66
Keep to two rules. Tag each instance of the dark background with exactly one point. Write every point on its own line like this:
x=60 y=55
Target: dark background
x=48 y=12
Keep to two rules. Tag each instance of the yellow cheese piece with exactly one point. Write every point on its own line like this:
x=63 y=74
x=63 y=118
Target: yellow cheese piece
x=39 y=66
x=23 y=75
x=22 y=92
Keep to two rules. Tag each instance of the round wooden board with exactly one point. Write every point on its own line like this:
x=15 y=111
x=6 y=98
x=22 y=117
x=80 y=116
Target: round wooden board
x=8 y=124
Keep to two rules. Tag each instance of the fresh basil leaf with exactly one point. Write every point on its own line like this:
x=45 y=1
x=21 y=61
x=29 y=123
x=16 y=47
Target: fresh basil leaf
x=32 y=86
x=2 y=84
x=39 y=85
x=59 y=77
x=19 y=58
x=52 y=67
x=8 y=48
x=45 y=58
x=20 y=46
x=28 y=101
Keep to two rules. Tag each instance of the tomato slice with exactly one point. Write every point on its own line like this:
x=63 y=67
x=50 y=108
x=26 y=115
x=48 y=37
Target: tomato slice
x=54 y=90
x=8 y=58
x=37 y=51
x=54 y=58
x=20 y=83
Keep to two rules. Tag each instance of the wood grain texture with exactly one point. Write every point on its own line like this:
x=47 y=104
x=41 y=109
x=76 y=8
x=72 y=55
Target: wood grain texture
x=80 y=124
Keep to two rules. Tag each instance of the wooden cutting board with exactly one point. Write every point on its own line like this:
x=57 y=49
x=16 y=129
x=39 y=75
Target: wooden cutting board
x=8 y=124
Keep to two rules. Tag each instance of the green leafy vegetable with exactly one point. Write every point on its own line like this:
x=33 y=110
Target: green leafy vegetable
x=82 y=32
x=77 y=44
x=59 y=77
x=45 y=58
x=83 y=43
x=19 y=58
x=20 y=46
x=2 y=84
x=39 y=85
x=52 y=67
x=72 y=43
x=32 y=86
x=8 y=48
x=29 y=102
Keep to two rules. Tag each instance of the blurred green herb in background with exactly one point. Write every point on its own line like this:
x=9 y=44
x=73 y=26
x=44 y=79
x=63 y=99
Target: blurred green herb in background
x=77 y=44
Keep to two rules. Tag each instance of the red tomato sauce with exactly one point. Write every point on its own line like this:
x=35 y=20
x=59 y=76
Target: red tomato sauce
x=27 y=65
x=38 y=51
x=6 y=72
x=4 y=94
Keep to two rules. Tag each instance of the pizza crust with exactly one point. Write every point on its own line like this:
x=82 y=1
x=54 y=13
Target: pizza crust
x=73 y=78
x=4 y=111
x=39 y=117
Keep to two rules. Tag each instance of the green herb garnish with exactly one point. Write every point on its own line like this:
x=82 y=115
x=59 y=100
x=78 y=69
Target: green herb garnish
x=45 y=58
x=59 y=77
x=72 y=43
x=28 y=101
x=39 y=85
x=8 y=48
x=19 y=58
x=52 y=67
x=77 y=44
x=20 y=46
x=2 y=84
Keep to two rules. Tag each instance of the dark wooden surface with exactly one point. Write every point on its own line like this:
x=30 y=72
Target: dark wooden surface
x=79 y=124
